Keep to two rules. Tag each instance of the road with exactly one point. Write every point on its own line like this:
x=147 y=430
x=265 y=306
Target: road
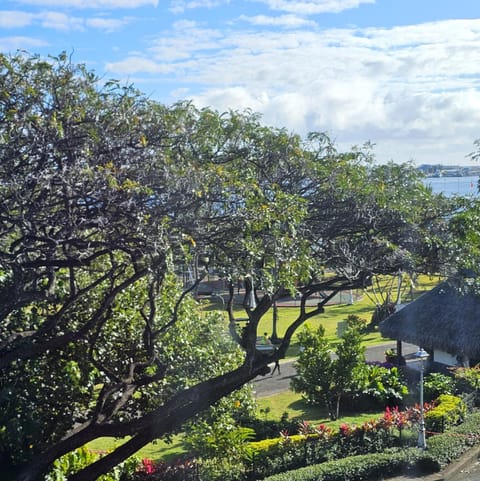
x=269 y=385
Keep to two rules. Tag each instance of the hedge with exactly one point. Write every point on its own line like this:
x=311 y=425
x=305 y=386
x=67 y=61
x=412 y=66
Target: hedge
x=445 y=448
x=361 y=468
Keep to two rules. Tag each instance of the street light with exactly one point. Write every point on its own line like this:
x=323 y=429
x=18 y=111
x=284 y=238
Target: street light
x=422 y=356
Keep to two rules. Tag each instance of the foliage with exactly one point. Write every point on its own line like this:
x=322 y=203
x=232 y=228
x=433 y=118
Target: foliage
x=384 y=385
x=108 y=197
x=324 y=379
x=161 y=471
x=446 y=447
x=78 y=459
x=435 y=384
x=317 y=444
x=362 y=468
x=449 y=411
x=469 y=377
x=442 y=449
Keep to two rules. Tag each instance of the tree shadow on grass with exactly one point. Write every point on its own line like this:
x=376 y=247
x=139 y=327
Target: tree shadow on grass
x=306 y=411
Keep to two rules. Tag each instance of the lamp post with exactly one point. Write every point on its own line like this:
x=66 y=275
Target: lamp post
x=422 y=356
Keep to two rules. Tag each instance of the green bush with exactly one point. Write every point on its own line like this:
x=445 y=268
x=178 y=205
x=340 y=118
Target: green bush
x=442 y=449
x=78 y=459
x=449 y=411
x=436 y=384
x=384 y=385
x=361 y=468
x=446 y=447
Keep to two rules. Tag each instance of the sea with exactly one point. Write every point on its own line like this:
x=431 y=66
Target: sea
x=467 y=186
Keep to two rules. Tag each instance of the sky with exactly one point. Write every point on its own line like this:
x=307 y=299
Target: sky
x=401 y=74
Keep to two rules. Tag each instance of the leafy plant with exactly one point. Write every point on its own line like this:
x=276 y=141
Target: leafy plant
x=324 y=379
x=435 y=384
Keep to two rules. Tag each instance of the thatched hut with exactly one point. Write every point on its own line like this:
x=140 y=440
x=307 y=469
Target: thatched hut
x=444 y=321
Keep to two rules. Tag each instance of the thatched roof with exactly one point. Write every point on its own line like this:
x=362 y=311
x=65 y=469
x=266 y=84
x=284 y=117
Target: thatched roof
x=443 y=318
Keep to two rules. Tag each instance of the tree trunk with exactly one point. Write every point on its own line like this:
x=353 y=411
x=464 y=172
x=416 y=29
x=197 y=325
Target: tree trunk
x=153 y=425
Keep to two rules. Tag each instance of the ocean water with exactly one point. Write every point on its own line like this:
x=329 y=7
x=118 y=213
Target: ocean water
x=454 y=185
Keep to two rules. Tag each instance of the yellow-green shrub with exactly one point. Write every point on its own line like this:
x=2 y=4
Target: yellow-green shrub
x=449 y=411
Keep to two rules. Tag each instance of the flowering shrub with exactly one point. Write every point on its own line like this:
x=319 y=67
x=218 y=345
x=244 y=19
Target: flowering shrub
x=148 y=466
x=161 y=471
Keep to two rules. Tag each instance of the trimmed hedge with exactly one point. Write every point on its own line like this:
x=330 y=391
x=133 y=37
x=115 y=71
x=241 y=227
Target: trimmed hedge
x=445 y=448
x=361 y=468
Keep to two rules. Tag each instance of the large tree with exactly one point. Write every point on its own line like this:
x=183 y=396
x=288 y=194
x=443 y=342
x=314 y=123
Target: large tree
x=106 y=195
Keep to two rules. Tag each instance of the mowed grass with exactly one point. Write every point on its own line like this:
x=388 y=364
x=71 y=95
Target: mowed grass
x=296 y=408
x=363 y=307
x=273 y=407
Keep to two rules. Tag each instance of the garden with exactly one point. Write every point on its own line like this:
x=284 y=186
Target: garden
x=355 y=447
x=373 y=432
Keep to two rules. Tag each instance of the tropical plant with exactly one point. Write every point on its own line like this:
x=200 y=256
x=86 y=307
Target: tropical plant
x=324 y=379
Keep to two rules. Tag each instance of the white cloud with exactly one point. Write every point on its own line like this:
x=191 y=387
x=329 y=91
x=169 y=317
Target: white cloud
x=401 y=88
x=313 y=7
x=106 y=24
x=180 y=6
x=186 y=39
x=106 y=4
x=15 y=19
x=138 y=64
x=288 y=21
x=59 y=21
x=11 y=44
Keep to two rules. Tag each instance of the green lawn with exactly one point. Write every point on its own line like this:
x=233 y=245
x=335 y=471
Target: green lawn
x=158 y=450
x=274 y=407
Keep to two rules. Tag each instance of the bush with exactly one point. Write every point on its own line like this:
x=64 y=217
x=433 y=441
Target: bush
x=436 y=384
x=78 y=459
x=361 y=468
x=444 y=448
x=449 y=411
x=319 y=444
x=384 y=385
x=267 y=428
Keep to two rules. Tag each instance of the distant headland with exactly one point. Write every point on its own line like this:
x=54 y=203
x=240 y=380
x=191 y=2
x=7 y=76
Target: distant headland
x=438 y=170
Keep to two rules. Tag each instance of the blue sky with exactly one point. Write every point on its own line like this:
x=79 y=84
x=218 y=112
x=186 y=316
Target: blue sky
x=402 y=74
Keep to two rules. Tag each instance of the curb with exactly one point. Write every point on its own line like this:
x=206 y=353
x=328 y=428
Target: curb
x=459 y=465
x=446 y=474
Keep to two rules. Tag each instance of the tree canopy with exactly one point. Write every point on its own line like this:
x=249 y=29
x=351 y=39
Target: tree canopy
x=105 y=195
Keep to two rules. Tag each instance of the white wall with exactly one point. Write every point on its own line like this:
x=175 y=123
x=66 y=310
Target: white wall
x=444 y=358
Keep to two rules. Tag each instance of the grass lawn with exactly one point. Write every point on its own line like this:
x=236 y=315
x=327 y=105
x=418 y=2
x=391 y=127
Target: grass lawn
x=274 y=407
x=158 y=450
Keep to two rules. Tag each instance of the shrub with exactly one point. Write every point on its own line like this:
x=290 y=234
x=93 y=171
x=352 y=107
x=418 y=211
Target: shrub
x=361 y=468
x=436 y=384
x=384 y=385
x=74 y=461
x=449 y=411
x=161 y=471
x=444 y=448
x=267 y=428
x=319 y=444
